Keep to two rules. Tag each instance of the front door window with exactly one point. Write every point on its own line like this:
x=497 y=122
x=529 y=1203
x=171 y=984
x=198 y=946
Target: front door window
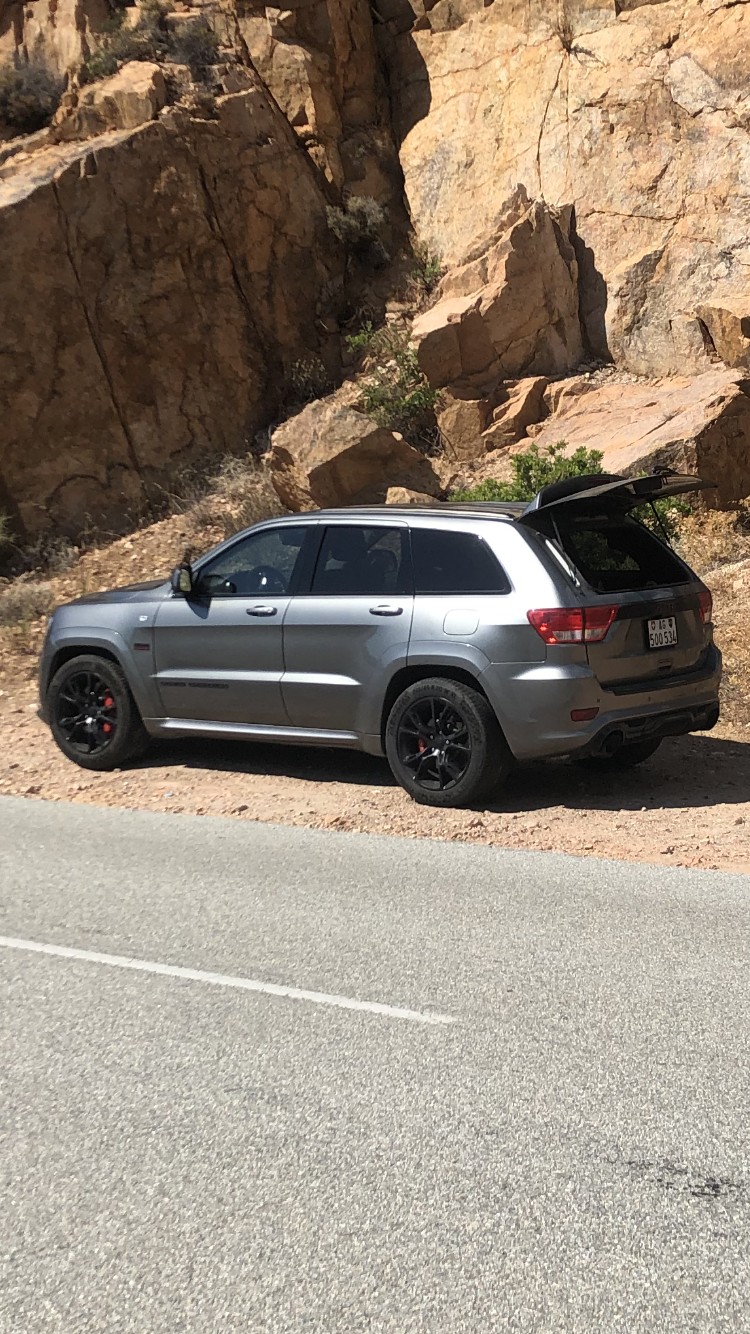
x=260 y=565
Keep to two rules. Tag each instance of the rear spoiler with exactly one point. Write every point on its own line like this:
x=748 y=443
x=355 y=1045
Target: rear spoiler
x=627 y=491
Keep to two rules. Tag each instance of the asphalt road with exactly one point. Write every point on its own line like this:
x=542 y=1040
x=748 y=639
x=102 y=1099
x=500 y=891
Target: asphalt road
x=547 y=1127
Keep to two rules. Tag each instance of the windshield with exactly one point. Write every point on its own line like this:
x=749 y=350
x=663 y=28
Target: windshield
x=613 y=553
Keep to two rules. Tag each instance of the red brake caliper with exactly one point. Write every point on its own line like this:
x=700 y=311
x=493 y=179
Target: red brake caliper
x=108 y=703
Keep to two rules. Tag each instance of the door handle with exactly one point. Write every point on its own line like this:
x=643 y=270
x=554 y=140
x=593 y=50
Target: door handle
x=386 y=609
x=261 y=611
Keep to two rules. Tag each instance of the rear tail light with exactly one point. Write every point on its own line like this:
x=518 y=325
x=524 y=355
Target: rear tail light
x=597 y=621
x=706 y=605
x=573 y=625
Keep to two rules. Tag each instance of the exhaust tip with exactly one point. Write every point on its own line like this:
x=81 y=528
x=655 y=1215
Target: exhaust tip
x=613 y=743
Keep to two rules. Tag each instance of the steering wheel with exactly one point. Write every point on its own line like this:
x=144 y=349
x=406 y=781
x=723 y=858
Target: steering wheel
x=266 y=580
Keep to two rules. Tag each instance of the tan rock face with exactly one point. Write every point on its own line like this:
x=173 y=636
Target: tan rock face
x=331 y=454
x=162 y=281
x=512 y=309
x=57 y=35
x=318 y=58
x=638 y=118
x=401 y=495
x=131 y=97
x=522 y=406
x=461 y=421
x=699 y=424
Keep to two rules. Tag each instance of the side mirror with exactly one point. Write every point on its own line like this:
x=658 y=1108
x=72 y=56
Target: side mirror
x=182 y=580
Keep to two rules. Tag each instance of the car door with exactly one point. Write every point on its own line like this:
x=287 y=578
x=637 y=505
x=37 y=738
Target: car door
x=219 y=651
x=349 y=630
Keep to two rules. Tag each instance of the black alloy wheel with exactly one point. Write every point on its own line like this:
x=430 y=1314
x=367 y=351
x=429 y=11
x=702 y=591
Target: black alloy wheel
x=93 y=715
x=444 y=743
x=434 y=743
x=86 y=712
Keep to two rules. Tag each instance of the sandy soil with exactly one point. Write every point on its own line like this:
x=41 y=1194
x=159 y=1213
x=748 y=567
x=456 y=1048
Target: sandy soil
x=689 y=806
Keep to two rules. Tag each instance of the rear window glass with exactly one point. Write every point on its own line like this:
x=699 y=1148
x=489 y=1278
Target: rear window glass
x=617 y=554
x=446 y=562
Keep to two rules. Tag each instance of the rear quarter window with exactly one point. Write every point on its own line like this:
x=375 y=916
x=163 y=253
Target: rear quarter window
x=446 y=562
x=617 y=554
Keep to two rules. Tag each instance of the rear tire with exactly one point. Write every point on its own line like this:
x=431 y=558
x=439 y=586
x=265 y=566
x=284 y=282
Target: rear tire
x=93 y=716
x=625 y=758
x=444 y=744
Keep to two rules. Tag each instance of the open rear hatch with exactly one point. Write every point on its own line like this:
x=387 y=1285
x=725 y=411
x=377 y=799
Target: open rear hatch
x=655 y=608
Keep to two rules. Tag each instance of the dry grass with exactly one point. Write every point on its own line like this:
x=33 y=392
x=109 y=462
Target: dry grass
x=239 y=495
x=24 y=601
x=717 y=545
x=730 y=586
x=712 y=539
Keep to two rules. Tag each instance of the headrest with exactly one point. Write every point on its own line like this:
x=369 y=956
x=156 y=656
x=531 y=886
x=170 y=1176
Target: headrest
x=346 y=544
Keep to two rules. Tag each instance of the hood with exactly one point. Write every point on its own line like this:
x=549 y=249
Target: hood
x=130 y=593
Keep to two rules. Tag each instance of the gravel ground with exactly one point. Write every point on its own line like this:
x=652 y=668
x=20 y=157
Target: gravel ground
x=688 y=806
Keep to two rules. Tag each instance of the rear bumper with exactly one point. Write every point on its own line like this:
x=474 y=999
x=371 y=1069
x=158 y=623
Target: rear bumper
x=651 y=727
x=534 y=704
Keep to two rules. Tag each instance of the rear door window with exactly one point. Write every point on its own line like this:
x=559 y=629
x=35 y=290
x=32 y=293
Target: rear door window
x=356 y=560
x=616 y=554
x=451 y=562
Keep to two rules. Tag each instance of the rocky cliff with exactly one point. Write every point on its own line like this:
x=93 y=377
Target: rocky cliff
x=581 y=168
x=634 y=114
x=158 y=285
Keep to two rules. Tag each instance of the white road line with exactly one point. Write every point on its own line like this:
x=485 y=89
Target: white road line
x=223 y=980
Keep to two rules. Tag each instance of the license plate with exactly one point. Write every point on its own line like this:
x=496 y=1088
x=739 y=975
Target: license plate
x=662 y=632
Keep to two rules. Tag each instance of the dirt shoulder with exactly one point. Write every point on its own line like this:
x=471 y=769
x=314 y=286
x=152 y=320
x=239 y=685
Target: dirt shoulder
x=689 y=806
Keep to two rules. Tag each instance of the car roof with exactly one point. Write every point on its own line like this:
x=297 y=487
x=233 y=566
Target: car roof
x=440 y=509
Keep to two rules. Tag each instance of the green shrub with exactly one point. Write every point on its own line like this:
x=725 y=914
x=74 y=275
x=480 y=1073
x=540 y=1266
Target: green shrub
x=535 y=468
x=397 y=394
x=359 y=226
x=428 y=269
x=360 y=342
x=665 y=517
x=149 y=39
x=195 y=45
x=308 y=380
x=29 y=97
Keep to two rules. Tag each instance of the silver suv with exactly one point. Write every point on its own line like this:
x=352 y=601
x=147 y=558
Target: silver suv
x=455 y=639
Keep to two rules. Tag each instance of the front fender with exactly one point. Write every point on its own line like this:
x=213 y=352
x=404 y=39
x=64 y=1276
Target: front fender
x=138 y=668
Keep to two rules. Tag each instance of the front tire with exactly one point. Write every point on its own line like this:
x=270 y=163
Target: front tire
x=444 y=744
x=93 y=716
x=625 y=758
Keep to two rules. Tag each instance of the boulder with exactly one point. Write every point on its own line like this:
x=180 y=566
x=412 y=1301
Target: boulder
x=402 y=495
x=726 y=318
x=695 y=424
x=511 y=309
x=523 y=405
x=461 y=420
x=131 y=97
x=331 y=454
